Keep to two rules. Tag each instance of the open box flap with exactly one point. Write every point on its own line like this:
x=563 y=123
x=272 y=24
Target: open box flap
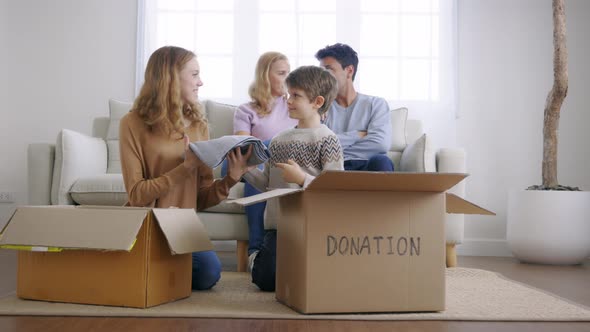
x=456 y=204
x=74 y=227
x=385 y=181
x=366 y=181
x=245 y=201
x=6 y=224
x=183 y=230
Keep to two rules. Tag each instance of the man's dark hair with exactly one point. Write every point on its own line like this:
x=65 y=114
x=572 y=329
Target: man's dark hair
x=343 y=53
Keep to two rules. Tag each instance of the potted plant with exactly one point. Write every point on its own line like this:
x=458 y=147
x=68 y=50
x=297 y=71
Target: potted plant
x=550 y=223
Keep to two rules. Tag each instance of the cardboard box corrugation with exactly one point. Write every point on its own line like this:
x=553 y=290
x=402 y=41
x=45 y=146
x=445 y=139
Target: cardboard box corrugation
x=111 y=256
x=396 y=222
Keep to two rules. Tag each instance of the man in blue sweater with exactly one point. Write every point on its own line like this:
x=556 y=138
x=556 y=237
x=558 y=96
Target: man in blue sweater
x=361 y=122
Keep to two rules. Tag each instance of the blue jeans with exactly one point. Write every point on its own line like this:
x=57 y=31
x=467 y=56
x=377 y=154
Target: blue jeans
x=206 y=270
x=377 y=163
x=254 y=213
x=265 y=264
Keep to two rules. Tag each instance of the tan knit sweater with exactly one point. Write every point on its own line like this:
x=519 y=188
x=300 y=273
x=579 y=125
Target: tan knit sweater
x=153 y=171
x=313 y=149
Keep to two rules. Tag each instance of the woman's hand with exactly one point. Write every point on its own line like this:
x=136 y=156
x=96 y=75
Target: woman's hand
x=190 y=159
x=237 y=163
x=292 y=173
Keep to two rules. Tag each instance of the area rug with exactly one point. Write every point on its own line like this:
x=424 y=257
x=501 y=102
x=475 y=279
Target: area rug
x=472 y=294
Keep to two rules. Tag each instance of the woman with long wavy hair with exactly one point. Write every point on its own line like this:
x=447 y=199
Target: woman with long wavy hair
x=158 y=168
x=263 y=117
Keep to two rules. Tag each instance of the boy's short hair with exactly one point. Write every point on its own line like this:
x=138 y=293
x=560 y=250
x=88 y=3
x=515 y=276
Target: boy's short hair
x=343 y=53
x=314 y=81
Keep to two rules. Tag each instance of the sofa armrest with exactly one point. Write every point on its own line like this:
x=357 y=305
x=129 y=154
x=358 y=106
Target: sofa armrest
x=76 y=155
x=452 y=160
x=40 y=158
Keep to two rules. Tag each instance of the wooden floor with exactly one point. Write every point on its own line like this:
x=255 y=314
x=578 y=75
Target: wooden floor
x=571 y=282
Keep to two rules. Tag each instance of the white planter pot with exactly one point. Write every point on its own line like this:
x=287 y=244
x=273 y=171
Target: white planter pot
x=549 y=227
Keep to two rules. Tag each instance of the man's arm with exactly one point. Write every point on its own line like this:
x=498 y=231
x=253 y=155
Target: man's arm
x=377 y=138
x=347 y=139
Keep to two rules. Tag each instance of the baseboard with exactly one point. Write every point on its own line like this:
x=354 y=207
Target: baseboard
x=7 y=294
x=483 y=247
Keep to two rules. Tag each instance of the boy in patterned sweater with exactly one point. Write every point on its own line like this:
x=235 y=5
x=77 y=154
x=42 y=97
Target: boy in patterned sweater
x=298 y=155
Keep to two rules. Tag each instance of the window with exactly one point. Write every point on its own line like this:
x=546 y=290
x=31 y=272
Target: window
x=406 y=47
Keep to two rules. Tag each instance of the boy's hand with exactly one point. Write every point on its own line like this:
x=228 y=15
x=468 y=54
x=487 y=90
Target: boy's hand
x=292 y=173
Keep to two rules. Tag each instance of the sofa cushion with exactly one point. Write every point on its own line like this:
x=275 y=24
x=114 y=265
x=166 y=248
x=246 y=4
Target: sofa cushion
x=109 y=189
x=76 y=155
x=414 y=130
x=399 y=118
x=117 y=110
x=418 y=157
x=220 y=117
x=225 y=226
x=395 y=157
x=236 y=191
x=102 y=189
x=114 y=158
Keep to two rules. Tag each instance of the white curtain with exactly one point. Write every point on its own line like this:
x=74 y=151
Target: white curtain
x=407 y=48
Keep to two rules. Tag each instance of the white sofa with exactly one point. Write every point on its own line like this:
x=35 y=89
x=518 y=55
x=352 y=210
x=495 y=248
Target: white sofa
x=81 y=169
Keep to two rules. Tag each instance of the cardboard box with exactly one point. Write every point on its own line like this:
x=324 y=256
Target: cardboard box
x=364 y=241
x=117 y=256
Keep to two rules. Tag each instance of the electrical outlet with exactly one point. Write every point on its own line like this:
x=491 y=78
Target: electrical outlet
x=6 y=197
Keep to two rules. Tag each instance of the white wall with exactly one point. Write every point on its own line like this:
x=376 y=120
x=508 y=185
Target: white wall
x=7 y=257
x=3 y=35
x=5 y=114
x=63 y=60
x=505 y=74
x=3 y=61
x=62 y=69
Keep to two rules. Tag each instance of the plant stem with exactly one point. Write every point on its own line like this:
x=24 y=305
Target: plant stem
x=555 y=97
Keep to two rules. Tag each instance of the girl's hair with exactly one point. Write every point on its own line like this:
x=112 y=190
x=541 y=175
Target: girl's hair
x=159 y=102
x=260 y=89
